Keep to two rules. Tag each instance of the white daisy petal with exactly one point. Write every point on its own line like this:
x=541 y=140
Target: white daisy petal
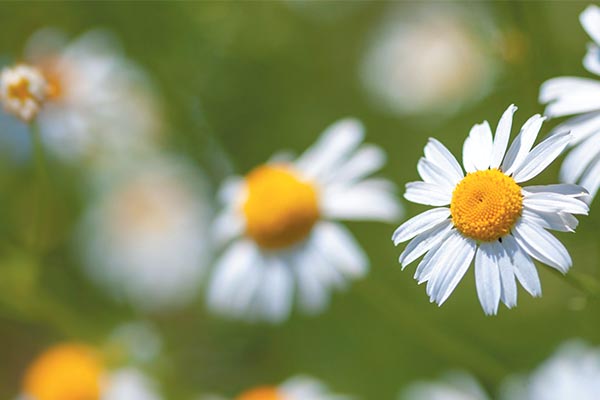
x=333 y=146
x=336 y=242
x=227 y=226
x=313 y=296
x=424 y=242
x=579 y=159
x=566 y=189
x=363 y=163
x=428 y=194
x=438 y=154
x=502 y=136
x=581 y=127
x=556 y=221
x=520 y=147
x=477 y=149
x=591 y=178
x=371 y=199
x=554 y=202
x=524 y=268
x=570 y=95
x=541 y=156
x=431 y=173
x=542 y=246
x=277 y=288
x=591 y=61
x=419 y=224
x=451 y=270
x=487 y=278
x=508 y=285
x=590 y=20
x=429 y=263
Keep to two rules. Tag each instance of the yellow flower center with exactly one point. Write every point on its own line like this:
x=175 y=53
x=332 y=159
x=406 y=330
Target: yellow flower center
x=261 y=393
x=280 y=208
x=20 y=91
x=65 y=372
x=486 y=205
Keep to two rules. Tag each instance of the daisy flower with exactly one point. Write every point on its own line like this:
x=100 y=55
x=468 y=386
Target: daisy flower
x=573 y=372
x=23 y=90
x=297 y=388
x=279 y=221
x=573 y=96
x=97 y=102
x=452 y=386
x=78 y=371
x=144 y=237
x=490 y=219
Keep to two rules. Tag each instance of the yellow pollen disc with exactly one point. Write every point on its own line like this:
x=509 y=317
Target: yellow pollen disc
x=280 y=209
x=64 y=372
x=20 y=90
x=261 y=393
x=486 y=205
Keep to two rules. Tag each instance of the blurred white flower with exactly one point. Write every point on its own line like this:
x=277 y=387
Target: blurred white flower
x=296 y=388
x=452 y=386
x=280 y=221
x=99 y=103
x=23 y=90
x=573 y=372
x=491 y=219
x=571 y=96
x=77 y=371
x=429 y=58
x=145 y=237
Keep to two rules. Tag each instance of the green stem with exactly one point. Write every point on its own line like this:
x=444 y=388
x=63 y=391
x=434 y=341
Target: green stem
x=42 y=184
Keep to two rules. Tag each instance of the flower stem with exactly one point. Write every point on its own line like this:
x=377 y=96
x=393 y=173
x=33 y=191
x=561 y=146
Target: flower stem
x=42 y=181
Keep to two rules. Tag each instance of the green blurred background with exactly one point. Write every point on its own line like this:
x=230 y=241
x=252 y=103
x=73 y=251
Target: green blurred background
x=249 y=79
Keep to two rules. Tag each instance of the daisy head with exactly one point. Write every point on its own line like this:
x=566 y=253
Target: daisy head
x=297 y=388
x=144 y=237
x=487 y=216
x=278 y=225
x=99 y=103
x=23 y=90
x=569 y=95
x=72 y=371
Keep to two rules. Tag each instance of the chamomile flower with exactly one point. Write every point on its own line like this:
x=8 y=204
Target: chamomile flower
x=571 y=96
x=23 y=90
x=296 y=388
x=491 y=218
x=78 y=371
x=452 y=386
x=98 y=102
x=144 y=237
x=279 y=220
